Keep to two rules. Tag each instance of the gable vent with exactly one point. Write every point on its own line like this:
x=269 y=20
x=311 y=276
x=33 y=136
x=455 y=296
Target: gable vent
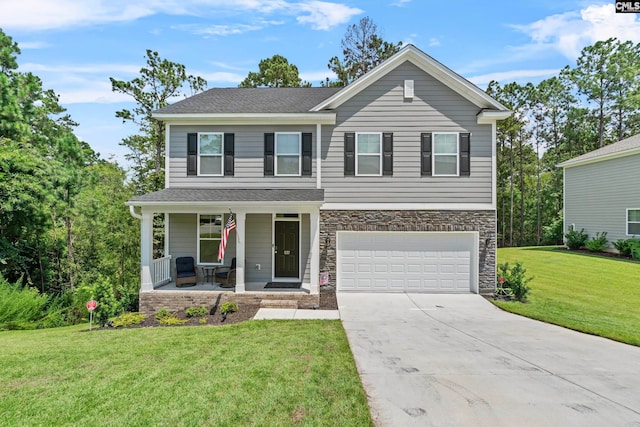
x=408 y=89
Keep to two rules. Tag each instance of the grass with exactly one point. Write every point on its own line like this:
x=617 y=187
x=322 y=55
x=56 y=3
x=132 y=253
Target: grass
x=276 y=373
x=584 y=292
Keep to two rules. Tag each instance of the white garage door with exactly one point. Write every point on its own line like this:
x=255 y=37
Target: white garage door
x=406 y=261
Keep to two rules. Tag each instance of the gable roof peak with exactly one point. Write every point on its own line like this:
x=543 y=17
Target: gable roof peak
x=427 y=64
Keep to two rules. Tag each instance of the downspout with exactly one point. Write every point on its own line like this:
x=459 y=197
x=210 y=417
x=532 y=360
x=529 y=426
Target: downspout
x=133 y=213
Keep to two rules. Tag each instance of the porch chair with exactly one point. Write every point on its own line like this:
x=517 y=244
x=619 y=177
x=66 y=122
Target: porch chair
x=186 y=273
x=227 y=277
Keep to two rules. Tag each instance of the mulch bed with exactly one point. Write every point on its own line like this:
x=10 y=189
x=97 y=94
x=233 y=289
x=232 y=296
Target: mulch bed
x=245 y=312
x=601 y=254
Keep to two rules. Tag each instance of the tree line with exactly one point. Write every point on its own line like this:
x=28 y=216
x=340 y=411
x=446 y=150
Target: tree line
x=583 y=108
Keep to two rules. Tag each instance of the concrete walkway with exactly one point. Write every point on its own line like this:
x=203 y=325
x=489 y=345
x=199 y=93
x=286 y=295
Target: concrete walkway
x=296 y=314
x=456 y=360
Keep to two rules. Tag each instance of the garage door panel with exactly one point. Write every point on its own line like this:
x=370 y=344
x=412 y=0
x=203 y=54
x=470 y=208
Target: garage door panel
x=405 y=261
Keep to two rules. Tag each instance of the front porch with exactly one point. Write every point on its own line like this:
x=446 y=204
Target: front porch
x=276 y=240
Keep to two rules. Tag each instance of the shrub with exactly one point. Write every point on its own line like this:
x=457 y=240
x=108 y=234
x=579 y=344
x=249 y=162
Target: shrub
x=128 y=319
x=172 y=320
x=21 y=307
x=203 y=321
x=635 y=248
x=228 y=307
x=623 y=246
x=576 y=239
x=108 y=306
x=161 y=314
x=200 y=311
x=512 y=281
x=552 y=234
x=598 y=243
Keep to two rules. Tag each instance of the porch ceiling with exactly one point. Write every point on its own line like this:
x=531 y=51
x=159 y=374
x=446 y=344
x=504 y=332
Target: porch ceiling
x=191 y=196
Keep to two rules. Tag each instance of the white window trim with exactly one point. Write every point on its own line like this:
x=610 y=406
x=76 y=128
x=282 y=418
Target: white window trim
x=369 y=154
x=198 y=238
x=434 y=155
x=627 y=222
x=275 y=154
x=221 y=155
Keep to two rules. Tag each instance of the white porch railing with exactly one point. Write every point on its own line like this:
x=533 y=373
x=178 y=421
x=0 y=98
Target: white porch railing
x=161 y=271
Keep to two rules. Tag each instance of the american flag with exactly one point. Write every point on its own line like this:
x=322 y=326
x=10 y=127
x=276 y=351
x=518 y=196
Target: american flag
x=231 y=224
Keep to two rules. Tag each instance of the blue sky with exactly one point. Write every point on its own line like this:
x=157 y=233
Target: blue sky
x=76 y=45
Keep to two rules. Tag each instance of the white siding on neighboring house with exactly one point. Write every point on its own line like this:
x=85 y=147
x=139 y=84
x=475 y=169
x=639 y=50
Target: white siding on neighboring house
x=597 y=195
x=382 y=108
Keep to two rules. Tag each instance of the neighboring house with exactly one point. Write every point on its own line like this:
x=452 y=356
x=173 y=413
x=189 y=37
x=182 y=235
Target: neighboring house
x=601 y=191
x=387 y=185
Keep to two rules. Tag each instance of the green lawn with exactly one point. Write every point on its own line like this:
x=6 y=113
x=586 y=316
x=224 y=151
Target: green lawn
x=588 y=293
x=257 y=373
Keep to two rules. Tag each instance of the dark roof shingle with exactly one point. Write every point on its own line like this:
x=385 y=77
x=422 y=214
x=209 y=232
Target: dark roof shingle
x=252 y=100
x=186 y=195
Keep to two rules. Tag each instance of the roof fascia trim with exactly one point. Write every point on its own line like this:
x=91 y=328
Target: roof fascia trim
x=610 y=156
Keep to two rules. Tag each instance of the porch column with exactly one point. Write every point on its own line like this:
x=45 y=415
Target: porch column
x=146 y=250
x=240 y=249
x=314 y=238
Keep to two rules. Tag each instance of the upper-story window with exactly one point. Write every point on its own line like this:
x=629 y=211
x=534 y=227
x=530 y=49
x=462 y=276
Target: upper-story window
x=633 y=222
x=288 y=153
x=445 y=154
x=369 y=154
x=210 y=154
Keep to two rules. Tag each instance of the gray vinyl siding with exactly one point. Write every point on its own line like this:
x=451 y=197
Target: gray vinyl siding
x=382 y=108
x=183 y=237
x=249 y=158
x=258 y=247
x=597 y=196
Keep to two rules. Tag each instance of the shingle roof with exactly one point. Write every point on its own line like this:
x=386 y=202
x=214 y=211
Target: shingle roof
x=252 y=100
x=630 y=145
x=190 y=195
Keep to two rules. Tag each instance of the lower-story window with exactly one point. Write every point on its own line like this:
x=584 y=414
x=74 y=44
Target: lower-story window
x=633 y=222
x=209 y=235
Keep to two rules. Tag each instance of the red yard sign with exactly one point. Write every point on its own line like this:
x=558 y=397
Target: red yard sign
x=91 y=305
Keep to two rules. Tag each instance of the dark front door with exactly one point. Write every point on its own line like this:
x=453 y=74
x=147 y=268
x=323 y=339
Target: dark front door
x=286 y=254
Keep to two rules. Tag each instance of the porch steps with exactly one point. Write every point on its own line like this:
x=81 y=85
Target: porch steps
x=278 y=303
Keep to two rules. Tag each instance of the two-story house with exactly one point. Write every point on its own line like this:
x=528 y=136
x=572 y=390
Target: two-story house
x=387 y=185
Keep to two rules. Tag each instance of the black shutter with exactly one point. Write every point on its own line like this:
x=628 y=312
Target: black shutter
x=192 y=154
x=269 y=143
x=465 y=148
x=425 y=154
x=229 y=153
x=306 y=153
x=387 y=153
x=349 y=154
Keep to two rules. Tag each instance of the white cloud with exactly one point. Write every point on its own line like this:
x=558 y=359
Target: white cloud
x=508 y=76
x=317 y=76
x=434 y=42
x=81 y=69
x=400 y=3
x=218 y=30
x=569 y=32
x=33 y=45
x=33 y=15
x=324 y=15
x=218 y=77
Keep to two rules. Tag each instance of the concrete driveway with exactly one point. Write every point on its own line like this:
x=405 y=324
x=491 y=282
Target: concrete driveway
x=456 y=360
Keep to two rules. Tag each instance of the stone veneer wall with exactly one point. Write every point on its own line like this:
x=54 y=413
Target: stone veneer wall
x=483 y=222
x=175 y=300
